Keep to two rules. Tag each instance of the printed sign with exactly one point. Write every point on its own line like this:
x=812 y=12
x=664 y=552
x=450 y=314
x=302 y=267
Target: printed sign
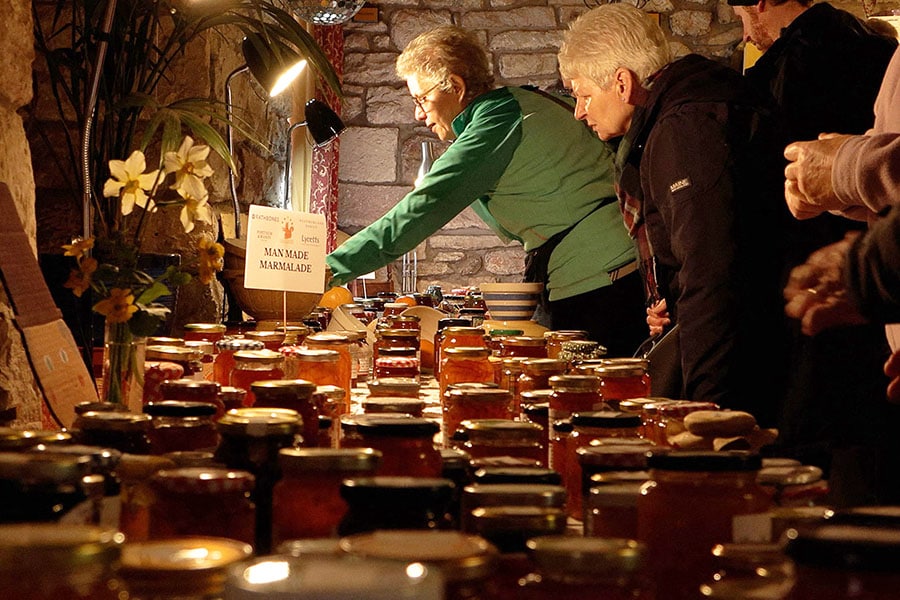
x=285 y=251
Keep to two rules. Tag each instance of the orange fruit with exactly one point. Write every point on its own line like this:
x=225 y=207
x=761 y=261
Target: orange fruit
x=407 y=300
x=335 y=297
x=427 y=352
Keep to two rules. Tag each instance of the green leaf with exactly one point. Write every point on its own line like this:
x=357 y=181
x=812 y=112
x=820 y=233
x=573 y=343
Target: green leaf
x=156 y=290
x=147 y=320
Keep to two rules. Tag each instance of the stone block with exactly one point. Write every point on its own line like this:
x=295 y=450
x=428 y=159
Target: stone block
x=537 y=17
x=528 y=65
x=505 y=262
x=384 y=104
x=520 y=41
x=690 y=23
x=360 y=205
x=407 y=24
x=474 y=241
x=373 y=68
x=17 y=50
x=449 y=257
x=368 y=155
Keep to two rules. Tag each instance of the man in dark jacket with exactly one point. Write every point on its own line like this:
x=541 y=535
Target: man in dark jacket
x=700 y=184
x=824 y=67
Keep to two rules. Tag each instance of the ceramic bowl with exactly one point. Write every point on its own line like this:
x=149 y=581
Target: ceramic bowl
x=511 y=301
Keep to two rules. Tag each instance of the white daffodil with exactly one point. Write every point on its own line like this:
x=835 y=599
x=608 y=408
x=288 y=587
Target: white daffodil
x=190 y=168
x=195 y=210
x=129 y=182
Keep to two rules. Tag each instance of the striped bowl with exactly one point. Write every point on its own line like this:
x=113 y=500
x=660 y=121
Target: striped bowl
x=511 y=301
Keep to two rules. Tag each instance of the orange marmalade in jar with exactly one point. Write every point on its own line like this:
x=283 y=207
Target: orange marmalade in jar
x=536 y=373
x=341 y=343
x=574 y=393
x=406 y=444
x=292 y=394
x=306 y=502
x=462 y=404
x=191 y=390
x=394 y=338
x=255 y=365
x=223 y=363
x=318 y=365
x=272 y=340
x=693 y=501
x=522 y=345
x=465 y=364
x=554 y=339
x=179 y=426
x=487 y=438
x=623 y=379
x=204 y=332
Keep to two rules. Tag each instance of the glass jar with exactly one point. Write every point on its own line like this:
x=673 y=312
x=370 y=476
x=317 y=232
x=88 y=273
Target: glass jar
x=126 y=432
x=178 y=426
x=271 y=339
x=622 y=381
x=509 y=528
x=556 y=455
x=406 y=444
x=380 y=503
x=251 y=439
x=535 y=409
x=465 y=364
x=406 y=322
x=232 y=397
x=693 y=501
x=17 y=440
x=189 y=359
x=413 y=407
x=155 y=373
x=749 y=571
x=341 y=343
x=838 y=562
x=800 y=485
x=202 y=502
x=306 y=502
x=332 y=578
x=294 y=333
x=207 y=356
x=394 y=338
x=332 y=401
x=40 y=486
x=466 y=561
x=461 y=404
x=608 y=461
x=554 y=339
x=48 y=561
x=191 y=390
x=575 y=352
x=396 y=366
x=534 y=495
x=255 y=365
x=440 y=332
x=570 y=568
x=515 y=474
x=523 y=345
x=134 y=472
x=574 y=393
x=587 y=429
x=318 y=365
x=510 y=371
x=610 y=510
x=224 y=360
x=536 y=373
x=204 y=332
x=187 y=568
x=292 y=394
x=487 y=438
x=405 y=387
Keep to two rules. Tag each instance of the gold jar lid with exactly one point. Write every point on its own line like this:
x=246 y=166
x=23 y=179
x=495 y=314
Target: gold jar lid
x=282 y=388
x=396 y=333
x=626 y=361
x=543 y=495
x=112 y=421
x=514 y=364
x=394 y=386
x=258 y=357
x=43 y=467
x=591 y=556
x=331 y=392
x=561 y=335
x=327 y=339
x=43 y=549
x=205 y=327
x=523 y=341
x=544 y=365
x=495 y=430
x=183 y=567
x=138 y=467
x=164 y=341
x=575 y=383
x=20 y=439
x=610 y=371
x=301 y=460
x=467 y=352
x=260 y=422
x=202 y=480
x=266 y=337
x=523 y=521
x=479 y=394
x=177 y=354
x=316 y=355
x=459 y=556
x=462 y=330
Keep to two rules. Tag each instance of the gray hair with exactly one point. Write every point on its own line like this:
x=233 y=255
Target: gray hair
x=444 y=51
x=611 y=36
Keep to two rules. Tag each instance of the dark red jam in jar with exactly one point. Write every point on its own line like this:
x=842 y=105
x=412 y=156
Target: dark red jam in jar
x=406 y=444
x=292 y=394
x=178 y=426
x=123 y=431
x=378 y=503
x=192 y=390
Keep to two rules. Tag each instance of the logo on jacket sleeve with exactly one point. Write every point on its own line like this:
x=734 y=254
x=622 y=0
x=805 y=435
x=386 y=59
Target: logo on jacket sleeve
x=680 y=185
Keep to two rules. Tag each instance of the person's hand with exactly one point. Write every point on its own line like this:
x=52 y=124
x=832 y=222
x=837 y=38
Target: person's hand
x=807 y=177
x=892 y=370
x=658 y=317
x=815 y=293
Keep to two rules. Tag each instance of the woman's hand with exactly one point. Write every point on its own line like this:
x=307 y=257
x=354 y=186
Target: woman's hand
x=658 y=318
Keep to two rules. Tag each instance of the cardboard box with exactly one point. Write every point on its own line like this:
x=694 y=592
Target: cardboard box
x=55 y=360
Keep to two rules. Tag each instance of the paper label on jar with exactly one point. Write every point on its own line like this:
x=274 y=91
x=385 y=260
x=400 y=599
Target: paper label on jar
x=755 y=527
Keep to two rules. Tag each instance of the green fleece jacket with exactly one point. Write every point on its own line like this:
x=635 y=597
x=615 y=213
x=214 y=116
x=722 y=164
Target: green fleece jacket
x=529 y=170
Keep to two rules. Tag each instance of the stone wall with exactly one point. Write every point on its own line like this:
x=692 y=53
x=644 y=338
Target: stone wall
x=18 y=388
x=380 y=150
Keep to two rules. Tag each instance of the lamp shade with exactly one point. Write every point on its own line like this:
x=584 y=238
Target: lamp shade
x=273 y=65
x=323 y=123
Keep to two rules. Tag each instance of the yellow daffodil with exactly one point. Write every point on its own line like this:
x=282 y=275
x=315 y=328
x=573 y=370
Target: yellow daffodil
x=78 y=248
x=194 y=210
x=211 y=259
x=190 y=168
x=80 y=279
x=118 y=307
x=129 y=182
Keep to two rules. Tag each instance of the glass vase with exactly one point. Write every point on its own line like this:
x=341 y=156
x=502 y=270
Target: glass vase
x=123 y=366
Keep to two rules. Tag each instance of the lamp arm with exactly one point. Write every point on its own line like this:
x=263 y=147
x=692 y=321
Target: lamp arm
x=288 y=165
x=229 y=136
x=105 y=28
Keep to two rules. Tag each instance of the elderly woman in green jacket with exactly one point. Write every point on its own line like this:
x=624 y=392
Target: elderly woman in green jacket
x=531 y=171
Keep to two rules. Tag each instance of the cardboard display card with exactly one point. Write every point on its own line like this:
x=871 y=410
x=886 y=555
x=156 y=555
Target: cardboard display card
x=285 y=250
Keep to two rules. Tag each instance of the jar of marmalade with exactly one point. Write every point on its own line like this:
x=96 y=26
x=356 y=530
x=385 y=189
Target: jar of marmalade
x=17 y=440
x=294 y=332
x=155 y=373
x=465 y=364
x=306 y=502
x=610 y=461
x=486 y=438
x=255 y=365
x=442 y=325
x=134 y=472
x=495 y=338
x=207 y=351
x=124 y=431
x=341 y=343
x=554 y=339
x=318 y=365
x=405 y=387
x=394 y=338
x=460 y=404
x=251 y=439
x=202 y=502
x=189 y=359
x=332 y=401
x=510 y=372
x=223 y=363
x=396 y=366
x=610 y=511
x=574 y=393
x=556 y=456
x=620 y=381
x=271 y=339
x=536 y=409
x=693 y=501
x=492 y=495
x=536 y=373
x=204 y=332
x=191 y=390
x=178 y=426
x=749 y=571
x=292 y=394
x=406 y=444
x=379 y=503
x=40 y=486
x=522 y=345
x=568 y=567
x=43 y=561
x=232 y=397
